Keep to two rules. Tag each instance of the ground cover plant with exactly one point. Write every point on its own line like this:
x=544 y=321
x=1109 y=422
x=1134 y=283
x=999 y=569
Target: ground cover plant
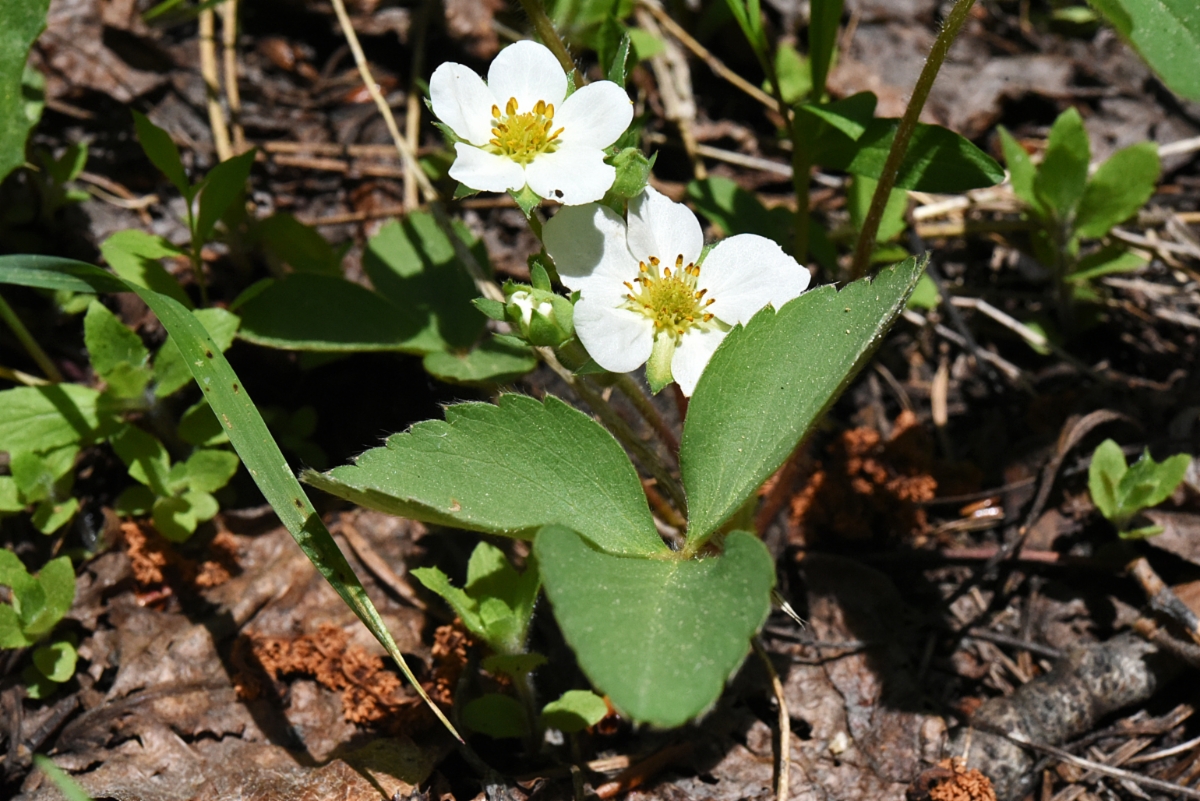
x=664 y=400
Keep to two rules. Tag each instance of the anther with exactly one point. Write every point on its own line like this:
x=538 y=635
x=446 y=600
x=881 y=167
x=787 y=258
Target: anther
x=709 y=302
x=540 y=108
x=654 y=260
x=549 y=112
x=511 y=108
x=707 y=317
x=629 y=285
x=495 y=111
x=642 y=266
x=679 y=261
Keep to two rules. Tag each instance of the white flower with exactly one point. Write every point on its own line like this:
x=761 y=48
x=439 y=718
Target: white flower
x=646 y=296
x=519 y=130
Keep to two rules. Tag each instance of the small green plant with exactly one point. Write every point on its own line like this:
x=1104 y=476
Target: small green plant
x=37 y=604
x=1121 y=492
x=1068 y=207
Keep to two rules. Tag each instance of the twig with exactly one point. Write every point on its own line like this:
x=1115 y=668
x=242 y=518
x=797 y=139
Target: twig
x=412 y=109
x=1163 y=599
x=636 y=775
x=675 y=88
x=229 y=28
x=1163 y=754
x=1013 y=642
x=783 y=775
x=1180 y=148
x=212 y=86
x=1009 y=369
x=19 y=377
x=1185 y=651
x=30 y=344
x=378 y=567
x=904 y=132
x=702 y=52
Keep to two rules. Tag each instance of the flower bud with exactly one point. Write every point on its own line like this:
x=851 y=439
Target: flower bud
x=541 y=317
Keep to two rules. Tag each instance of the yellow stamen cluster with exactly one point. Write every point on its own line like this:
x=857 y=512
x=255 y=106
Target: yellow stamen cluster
x=669 y=297
x=523 y=136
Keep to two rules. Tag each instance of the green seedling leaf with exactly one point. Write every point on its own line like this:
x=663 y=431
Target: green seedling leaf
x=1148 y=483
x=247 y=432
x=824 y=18
x=574 y=711
x=222 y=186
x=925 y=295
x=209 y=470
x=1167 y=35
x=1142 y=533
x=862 y=189
x=795 y=78
x=312 y=312
x=44 y=418
x=199 y=426
x=1061 y=178
x=37 y=686
x=787 y=366
x=56 y=661
x=938 y=159
x=506 y=469
x=135 y=501
x=134 y=256
x=513 y=665
x=49 y=516
x=1104 y=474
x=466 y=607
x=10 y=497
x=145 y=456
x=176 y=517
x=163 y=153
x=1020 y=170
x=293 y=243
x=55 y=593
x=36 y=475
x=66 y=785
x=617 y=58
x=495 y=361
x=498 y=716
x=1112 y=259
x=1116 y=191
x=109 y=342
x=645 y=44
x=23 y=23
x=737 y=211
x=849 y=116
x=689 y=621
x=170 y=372
x=11 y=635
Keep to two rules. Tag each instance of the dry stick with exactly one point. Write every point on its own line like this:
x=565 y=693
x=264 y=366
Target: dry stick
x=675 y=88
x=1163 y=599
x=783 y=776
x=715 y=64
x=229 y=29
x=19 y=377
x=412 y=108
x=904 y=132
x=547 y=33
x=212 y=87
x=378 y=565
x=29 y=343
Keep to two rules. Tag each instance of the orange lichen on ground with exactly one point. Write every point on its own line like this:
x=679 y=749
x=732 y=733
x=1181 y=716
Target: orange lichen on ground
x=956 y=782
x=155 y=562
x=867 y=485
x=371 y=694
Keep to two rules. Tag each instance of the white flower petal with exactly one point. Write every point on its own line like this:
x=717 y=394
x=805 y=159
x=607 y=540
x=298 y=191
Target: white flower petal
x=595 y=116
x=587 y=244
x=485 y=171
x=618 y=339
x=691 y=357
x=662 y=228
x=571 y=175
x=461 y=100
x=746 y=272
x=528 y=72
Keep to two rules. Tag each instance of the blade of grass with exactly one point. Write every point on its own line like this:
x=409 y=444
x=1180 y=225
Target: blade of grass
x=243 y=424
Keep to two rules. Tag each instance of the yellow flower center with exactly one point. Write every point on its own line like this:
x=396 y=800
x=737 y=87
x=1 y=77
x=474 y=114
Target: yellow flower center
x=523 y=136
x=669 y=298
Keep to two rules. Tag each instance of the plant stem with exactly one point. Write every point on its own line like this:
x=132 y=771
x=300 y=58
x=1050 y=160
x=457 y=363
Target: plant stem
x=904 y=132
x=801 y=160
x=783 y=777
x=649 y=412
x=29 y=343
x=19 y=377
x=547 y=33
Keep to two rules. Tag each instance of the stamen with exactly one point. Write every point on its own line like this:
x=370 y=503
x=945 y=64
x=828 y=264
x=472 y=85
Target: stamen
x=654 y=260
x=511 y=108
x=679 y=261
x=540 y=108
x=495 y=111
x=549 y=112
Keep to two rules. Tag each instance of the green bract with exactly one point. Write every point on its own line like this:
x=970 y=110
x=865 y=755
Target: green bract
x=1121 y=492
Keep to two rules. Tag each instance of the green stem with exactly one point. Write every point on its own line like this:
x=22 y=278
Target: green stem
x=29 y=343
x=904 y=132
x=547 y=33
x=801 y=159
x=649 y=412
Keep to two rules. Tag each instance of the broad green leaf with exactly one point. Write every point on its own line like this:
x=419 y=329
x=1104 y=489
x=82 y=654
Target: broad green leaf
x=499 y=716
x=849 y=116
x=56 y=661
x=492 y=580
x=514 y=665
x=10 y=496
x=176 y=517
x=145 y=456
x=298 y=245
x=1148 y=483
x=49 y=516
x=412 y=263
x=170 y=372
x=506 y=469
x=109 y=342
x=23 y=23
x=209 y=470
x=1109 y=260
x=495 y=361
x=1061 y=178
x=466 y=607
x=824 y=18
x=645 y=44
x=162 y=153
x=43 y=418
x=56 y=580
x=787 y=367
x=737 y=211
x=659 y=637
x=1116 y=191
x=37 y=686
x=135 y=501
x=858 y=198
x=134 y=256
x=199 y=426
x=312 y=312
x=925 y=295
x=12 y=571
x=1020 y=169
x=35 y=474
x=795 y=78
x=938 y=159
x=222 y=186
x=11 y=635
x=574 y=711
x=1167 y=35
x=1104 y=474
x=247 y=432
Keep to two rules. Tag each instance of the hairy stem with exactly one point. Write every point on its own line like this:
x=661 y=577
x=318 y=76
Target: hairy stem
x=547 y=33
x=904 y=132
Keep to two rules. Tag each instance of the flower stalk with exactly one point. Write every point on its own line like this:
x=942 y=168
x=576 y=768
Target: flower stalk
x=908 y=123
x=547 y=33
